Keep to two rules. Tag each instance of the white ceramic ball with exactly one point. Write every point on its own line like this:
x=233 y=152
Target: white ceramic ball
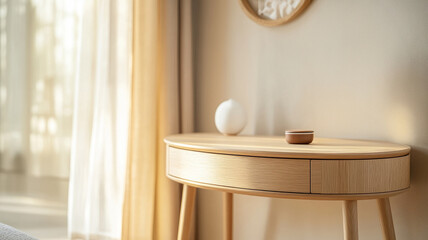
x=230 y=117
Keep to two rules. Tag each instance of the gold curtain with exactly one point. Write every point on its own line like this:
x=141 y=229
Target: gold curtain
x=162 y=104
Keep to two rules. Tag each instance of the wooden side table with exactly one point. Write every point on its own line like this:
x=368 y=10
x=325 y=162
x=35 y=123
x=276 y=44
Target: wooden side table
x=327 y=169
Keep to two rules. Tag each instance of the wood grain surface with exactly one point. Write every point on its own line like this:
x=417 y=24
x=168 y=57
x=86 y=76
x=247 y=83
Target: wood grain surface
x=227 y=216
x=350 y=220
x=360 y=176
x=186 y=212
x=386 y=218
x=276 y=146
x=287 y=195
x=269 y=174
x=327 y=169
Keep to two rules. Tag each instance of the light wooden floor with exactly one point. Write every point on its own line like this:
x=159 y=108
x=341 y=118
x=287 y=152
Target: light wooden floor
x=41 y=226
x=36 y=206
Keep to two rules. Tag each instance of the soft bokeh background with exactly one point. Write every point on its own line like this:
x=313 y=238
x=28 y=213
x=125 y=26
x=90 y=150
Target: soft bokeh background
x=347 y=69
x=38 y=49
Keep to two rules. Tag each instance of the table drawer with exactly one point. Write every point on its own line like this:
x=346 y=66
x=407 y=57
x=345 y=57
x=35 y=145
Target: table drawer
x=268 y=174
x=360 y=176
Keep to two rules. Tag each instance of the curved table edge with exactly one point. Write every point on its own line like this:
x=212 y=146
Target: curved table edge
x=291 y=155
x=288 y=195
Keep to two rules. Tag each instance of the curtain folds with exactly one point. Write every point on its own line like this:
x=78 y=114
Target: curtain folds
x=101 y=121
x=162 y=104
x=134 y=87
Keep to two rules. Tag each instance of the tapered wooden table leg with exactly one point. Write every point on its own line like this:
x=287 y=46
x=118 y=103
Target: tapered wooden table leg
x=227 y=216
x=350 y=220
x=386 y=218
x=186 y=212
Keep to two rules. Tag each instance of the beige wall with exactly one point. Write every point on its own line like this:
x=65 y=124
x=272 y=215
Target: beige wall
x=350 y=69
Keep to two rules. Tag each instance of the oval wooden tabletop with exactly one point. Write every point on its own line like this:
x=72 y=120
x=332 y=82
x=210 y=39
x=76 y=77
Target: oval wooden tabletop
x=276 y=146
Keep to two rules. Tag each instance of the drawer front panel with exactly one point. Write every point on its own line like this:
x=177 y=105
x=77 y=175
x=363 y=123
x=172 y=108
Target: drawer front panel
x=360 y=176
x=270 y=174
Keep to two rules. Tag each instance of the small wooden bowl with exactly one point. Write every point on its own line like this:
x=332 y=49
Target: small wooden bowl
x=299 y=136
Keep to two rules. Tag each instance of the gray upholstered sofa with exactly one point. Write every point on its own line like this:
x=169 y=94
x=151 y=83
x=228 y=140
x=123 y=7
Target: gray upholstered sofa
x=10 y=233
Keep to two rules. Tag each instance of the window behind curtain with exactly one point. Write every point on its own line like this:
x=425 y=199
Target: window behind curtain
x=38 y=50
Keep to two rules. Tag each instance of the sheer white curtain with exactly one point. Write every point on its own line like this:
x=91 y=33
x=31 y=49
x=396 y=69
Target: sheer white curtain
x=100 y=124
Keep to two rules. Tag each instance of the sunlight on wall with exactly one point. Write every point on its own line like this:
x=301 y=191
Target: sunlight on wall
x=332 y=70
x=401 y=124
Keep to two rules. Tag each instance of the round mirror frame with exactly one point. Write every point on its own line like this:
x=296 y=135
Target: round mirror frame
x=252 y=14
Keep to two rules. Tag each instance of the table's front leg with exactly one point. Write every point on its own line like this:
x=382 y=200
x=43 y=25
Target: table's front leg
x=227 y=216
x=350 y=220
x=186 y=212
x=386 y=218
